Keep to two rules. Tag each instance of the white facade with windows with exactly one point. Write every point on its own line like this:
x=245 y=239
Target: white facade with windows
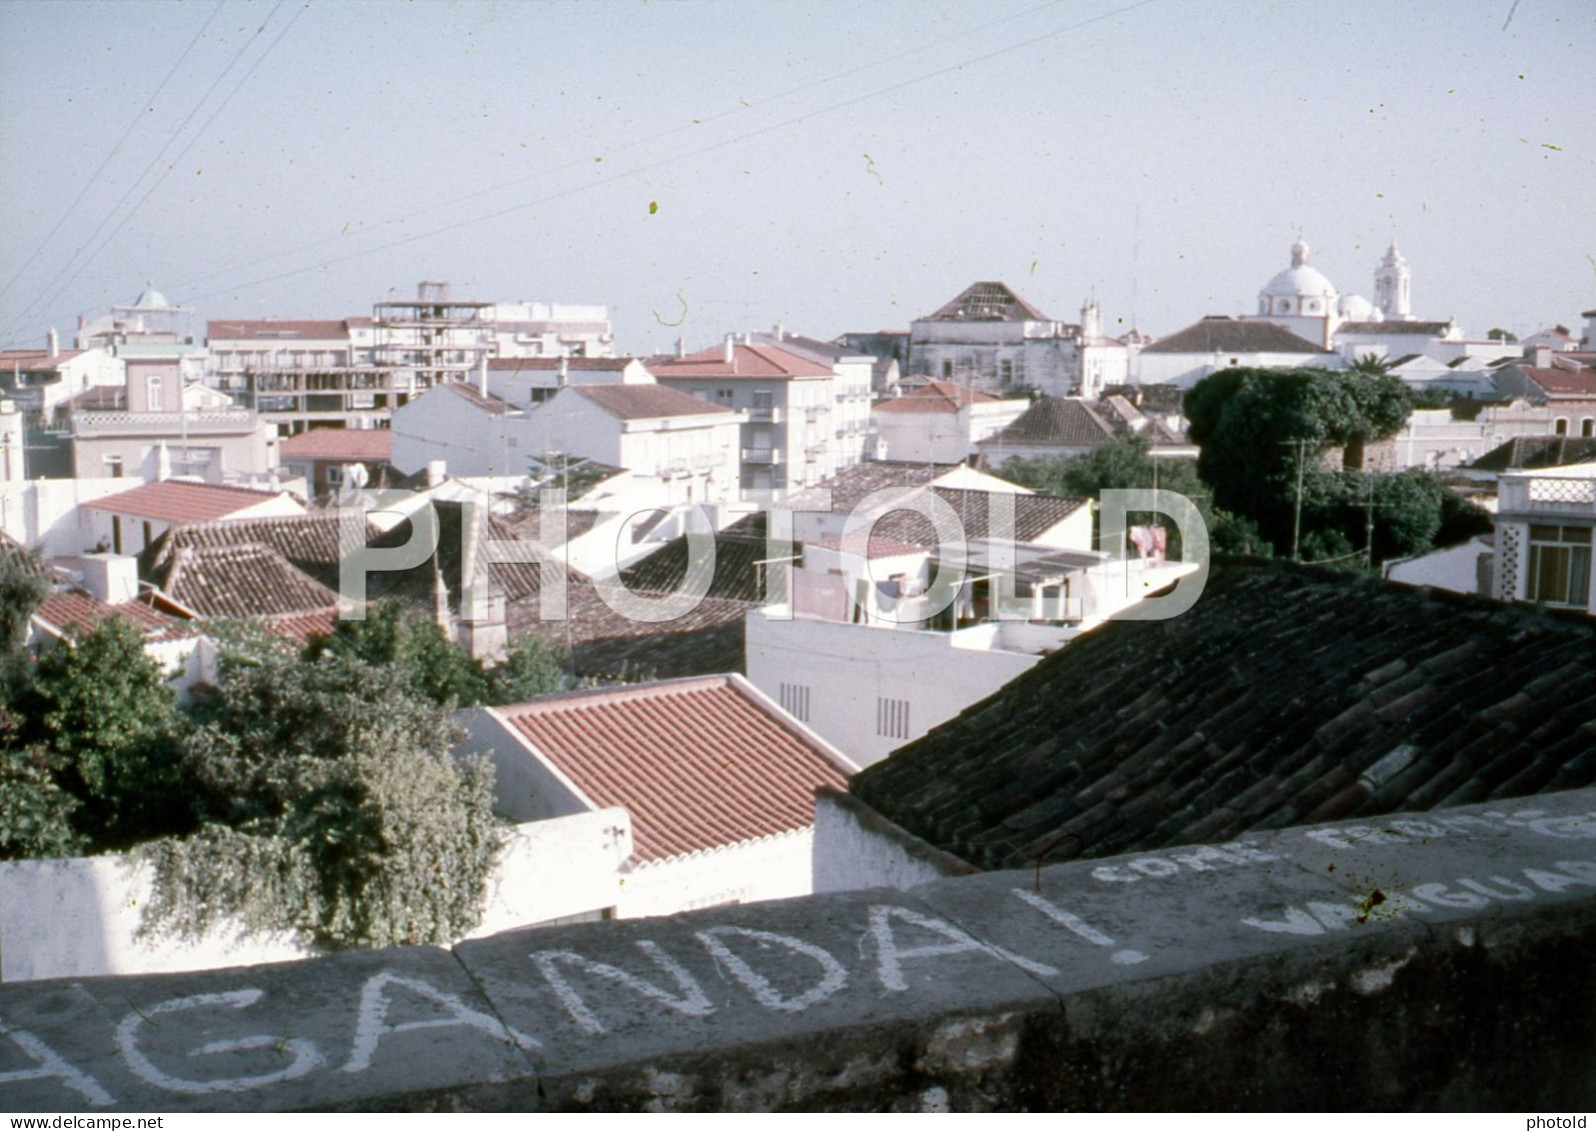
x=1544 y=537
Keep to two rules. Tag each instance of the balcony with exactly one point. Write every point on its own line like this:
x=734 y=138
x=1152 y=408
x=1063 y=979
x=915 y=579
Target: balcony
x=1572 y=496
x=199 y=422
x=762 y=455
x=767 y=414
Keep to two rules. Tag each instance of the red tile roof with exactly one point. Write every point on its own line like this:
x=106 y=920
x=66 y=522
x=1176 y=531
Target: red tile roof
x=700 y=764
x=302 y=628
x=175 y=501
x=767 y=362
x=74 y=610
x=647 y=402
x=35 y=361
x=552 y=364
x=936 y=396
x=470 y=393
x=278 y=329
x=1560 y=382
x=354 y=445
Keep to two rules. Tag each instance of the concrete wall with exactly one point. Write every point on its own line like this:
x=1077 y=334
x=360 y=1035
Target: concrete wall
x=43 y=513
x=776 y=867
x=1428 y=962
x=81 y=918
x=1456 y=568
x=855 y=849
x=849 y=670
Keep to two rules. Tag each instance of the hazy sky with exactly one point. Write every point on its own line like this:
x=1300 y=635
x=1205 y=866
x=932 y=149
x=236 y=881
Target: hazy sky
x=831 y=166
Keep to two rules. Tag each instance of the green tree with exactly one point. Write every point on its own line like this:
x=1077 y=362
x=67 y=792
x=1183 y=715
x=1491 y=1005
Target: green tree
x=35 y=812
x=431 y=664
x=99 y=709
x=531 y=668
x=1256 y=427
x=23 y=588
x=332 y=807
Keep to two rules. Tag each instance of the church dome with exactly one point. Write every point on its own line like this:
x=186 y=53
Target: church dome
x=1356 y=308
x=1299 y=289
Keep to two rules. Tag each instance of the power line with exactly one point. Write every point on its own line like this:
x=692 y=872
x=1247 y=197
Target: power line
x=146 y=106
x=46 y=294
x=652 y=165
x=583 y=162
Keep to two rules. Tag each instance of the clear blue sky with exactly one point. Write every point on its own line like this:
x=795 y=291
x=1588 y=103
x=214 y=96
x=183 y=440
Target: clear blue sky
x=832 y=166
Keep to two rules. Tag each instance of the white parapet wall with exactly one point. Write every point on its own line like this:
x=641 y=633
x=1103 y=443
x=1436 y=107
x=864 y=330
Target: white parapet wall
x=82 y=917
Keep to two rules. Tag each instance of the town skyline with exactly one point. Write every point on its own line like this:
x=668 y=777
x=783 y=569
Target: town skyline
x=701 y=168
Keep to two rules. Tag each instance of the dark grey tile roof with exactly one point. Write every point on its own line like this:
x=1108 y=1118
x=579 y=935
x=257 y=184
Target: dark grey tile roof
x=1288 y=695
x=647 y=402
x=1056 y=422
x=850 y=487
x=1034 y=515
x=1430 y=329
x=308 y=541
x=736 y=577
x=1230 y=335
x=1531 y=452
x=988 y=302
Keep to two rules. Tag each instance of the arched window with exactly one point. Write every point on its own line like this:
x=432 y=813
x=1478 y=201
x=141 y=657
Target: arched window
x=154 y=389
x=1561 y=426
x=1587 y=427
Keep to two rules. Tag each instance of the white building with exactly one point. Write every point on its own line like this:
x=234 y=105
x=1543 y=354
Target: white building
x=879 y=644
x=1545 y=522
x=550 y=329
x=940 y=422
x=524 y=381
x=719 y=784
x=1219 y=342
x=128 y=522
x=39 y=382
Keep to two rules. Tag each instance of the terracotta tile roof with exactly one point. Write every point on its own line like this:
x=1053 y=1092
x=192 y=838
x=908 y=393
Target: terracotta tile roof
x=354 y=445
x=1534 y=452
x=770 y=363
x=308 y=541
x=471 y=394
x=553 y=364
x=1062 y=422
x=277 y=329
x=301 y=628
x=246 y=580
x=35 y=361
x=75 y=610
x=175 y=501
x=1288 y=695
x=1229 y=335
x=518 y=581
x=988 y=302
x=1560 y=382
x=936 y=396
x=647 y=402
x=879 y=547
x=15 y=554
x=699 y=764
x=736 y=577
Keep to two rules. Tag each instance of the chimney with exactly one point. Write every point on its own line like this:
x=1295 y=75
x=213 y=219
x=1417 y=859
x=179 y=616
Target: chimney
x=681 y=345
x=780 y=334
x=55 y=343
x=729 y=356
x=437 y=471
x=482 y=377
x=1543 y=357
x=113 y=578
x=564 y=377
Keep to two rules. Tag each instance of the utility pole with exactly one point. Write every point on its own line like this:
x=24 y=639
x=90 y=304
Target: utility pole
x=1296 y=524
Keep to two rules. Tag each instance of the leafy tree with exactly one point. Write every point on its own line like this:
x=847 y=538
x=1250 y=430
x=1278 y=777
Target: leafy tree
x=531 y=668
x=23 y=588
x=1369 y=365
x=35 y=812
x=102 y=714
x=1497 y=334
x=1255 y=427
x=332 y=807
x=431 y=664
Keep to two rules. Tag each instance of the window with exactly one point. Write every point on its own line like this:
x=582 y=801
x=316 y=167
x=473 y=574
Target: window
x=1559 y=565
x=335 y=476
x=723 y=396
x=892 y=718
x=764 y=398
x=113 y=466
x=795 y=700
x=1006 y=372
x=156 y=403
x=1561 y=426
x=947 y=369
x=1587 y=428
